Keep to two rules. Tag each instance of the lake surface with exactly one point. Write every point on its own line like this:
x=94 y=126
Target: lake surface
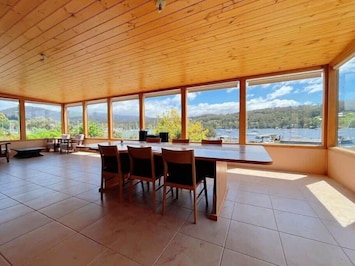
x=294 y=135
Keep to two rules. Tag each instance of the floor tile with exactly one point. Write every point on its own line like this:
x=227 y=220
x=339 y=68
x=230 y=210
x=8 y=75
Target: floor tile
x=351 y=254
x=302 y=251
x=142 y=241
x=234 y=258
x=63 y=207
x=13 y=212
x=255 y=241
x=186 y=250
x=305 y=226
x=7 y=202
x=345 y=236
x=82 y=217
x=112 y=258
x=254 y=215
x=21 y=225
x=207 y=230
x=31 y=245
x=252 y=198
x=74 y=250
x=293 y=206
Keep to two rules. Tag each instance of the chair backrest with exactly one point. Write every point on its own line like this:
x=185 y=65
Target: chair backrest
x=153 y=140
x=211 y=141
x=180 y=141
x=141 y=161
x=79 y=139
x=65 y=136
x=179 y=166
x=110 y=161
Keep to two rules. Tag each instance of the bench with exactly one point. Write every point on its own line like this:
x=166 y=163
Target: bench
x=4 y=150
x=28 y=152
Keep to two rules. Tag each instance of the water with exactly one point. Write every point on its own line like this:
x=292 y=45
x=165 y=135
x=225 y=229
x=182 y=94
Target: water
x=294 y=135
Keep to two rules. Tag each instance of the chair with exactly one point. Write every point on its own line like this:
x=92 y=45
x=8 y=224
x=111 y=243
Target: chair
x=65 y=143
x=153 y=140
x=143 y=168
x=52 y=144
x=111 y=169
x=179 y=172
x=77 y=141
x=211 y=141
x=207 y=168
x=180 y=141
x=5 y=150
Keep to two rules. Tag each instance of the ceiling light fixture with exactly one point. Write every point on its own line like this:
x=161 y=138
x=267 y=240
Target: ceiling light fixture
x=42 y=57
x=160 y=4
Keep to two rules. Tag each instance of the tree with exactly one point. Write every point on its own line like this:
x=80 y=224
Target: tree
x=171 y=122
x=95 y=130
x=4 y=122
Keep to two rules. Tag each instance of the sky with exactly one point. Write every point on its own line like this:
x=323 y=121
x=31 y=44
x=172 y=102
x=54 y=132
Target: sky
x=224 y=101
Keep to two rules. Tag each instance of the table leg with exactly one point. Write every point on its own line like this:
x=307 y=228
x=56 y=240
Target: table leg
x=219 y=189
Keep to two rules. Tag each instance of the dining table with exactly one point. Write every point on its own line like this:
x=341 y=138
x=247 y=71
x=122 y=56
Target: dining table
x=214 y=156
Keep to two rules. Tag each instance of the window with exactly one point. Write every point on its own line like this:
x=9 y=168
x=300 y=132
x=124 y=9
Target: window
x=9 y=119
x=97 y=119
x=43 y=120
x=213 y=112
x=163 y=113
x=75 y=119
x=125 y=118
x=346 y=105
x=285 y=109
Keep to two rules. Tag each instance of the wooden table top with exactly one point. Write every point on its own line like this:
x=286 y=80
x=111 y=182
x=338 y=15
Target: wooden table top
x=254 y=154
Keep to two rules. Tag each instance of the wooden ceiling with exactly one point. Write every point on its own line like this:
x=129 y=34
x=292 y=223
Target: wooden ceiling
x=94 y=49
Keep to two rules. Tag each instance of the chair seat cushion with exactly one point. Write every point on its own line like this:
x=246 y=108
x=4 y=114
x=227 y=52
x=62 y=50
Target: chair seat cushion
x=110 y=164
x=180 y=174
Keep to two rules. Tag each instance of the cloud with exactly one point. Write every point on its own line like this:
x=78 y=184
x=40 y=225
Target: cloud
x=216 y=108
x=160 y=105
x=232 y=89
x=284 y=90
x=261 y=103
x=348 y=67
x=192 y=95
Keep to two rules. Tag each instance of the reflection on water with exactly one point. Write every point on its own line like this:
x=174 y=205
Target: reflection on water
x=290 y=136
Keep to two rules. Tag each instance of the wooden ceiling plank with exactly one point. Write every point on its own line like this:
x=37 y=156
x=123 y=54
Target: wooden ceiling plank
x=5 y=6
x=30 y=19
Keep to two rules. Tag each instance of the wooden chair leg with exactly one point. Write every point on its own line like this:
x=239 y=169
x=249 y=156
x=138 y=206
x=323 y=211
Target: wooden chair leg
x=205 y=188
x=164 y=200
x=101 y=188
x=195 y=207
x=153 y=198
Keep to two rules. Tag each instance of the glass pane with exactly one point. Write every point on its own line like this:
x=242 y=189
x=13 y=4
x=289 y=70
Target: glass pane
x=97 y=120
x=286 y=112
x=9 y=120
x=214 y=114
x=43 y=120
x=346 y=112
x=75 y=120
x=126 y=119
x=163 y=114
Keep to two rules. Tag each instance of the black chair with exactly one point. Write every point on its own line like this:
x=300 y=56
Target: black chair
x=113 y=172
x=4 y=150
x=179 y=172
x=143 y=168
x=206 y=168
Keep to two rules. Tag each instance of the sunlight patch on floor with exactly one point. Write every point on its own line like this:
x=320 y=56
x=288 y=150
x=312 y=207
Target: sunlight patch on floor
x=334 y=201
x=267 y=174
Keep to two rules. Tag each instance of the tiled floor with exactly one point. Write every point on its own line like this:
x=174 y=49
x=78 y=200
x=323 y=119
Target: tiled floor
x=51 y=214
